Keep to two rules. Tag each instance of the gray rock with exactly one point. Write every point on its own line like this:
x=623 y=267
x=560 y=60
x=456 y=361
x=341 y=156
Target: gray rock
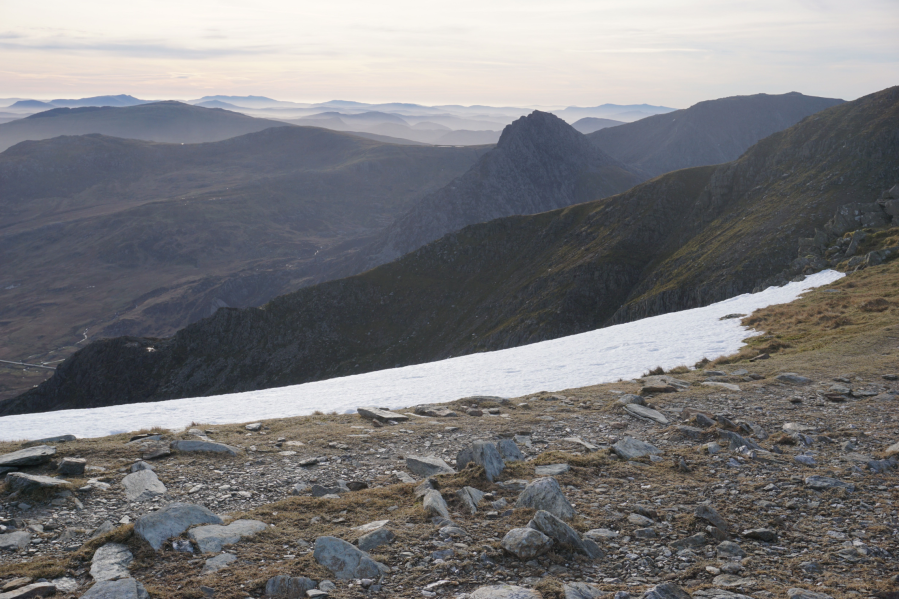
x=552 y=469
x=504 y=591
x=697 y=540
x=600 y=534
x=253 y=427
x=143 y=485
x=811 y=567
x=37 y=589
x=141 y=465
x=381 y=415
x=485 y=454
x=204 y=446
x=805 y=460
x=735 y=441
x=124 y=588
x=214 y=564
x=718 y=594
x=639 y=520
x=15 y=541
x=667 y=590
x=345 y=561
x=509 y=451
x=374 y=539
x=48 y=440
x=526 y=543
x=435 y=505
x=288 y=587
x=582 y=443
x=646 y=533
x=435 y=412
x=645 y=413
x=327 y=586
x=732 y=580
x=72 y=466
x=470 y=498
x=172 y=520
x=793 y=379
x=110 y=562
x=101 y=530
x=796 y=593
x=630 y=398
x=631 y=449
x=464 y=457
x=213 y=537
x=892 y=450
x=729 y=549
x=27 y=482
x=710 y=515
x=320 y=491
x=582 y=590
x=563 y=534
x=32 y=456
x=545 y=494
x=427 y=466
x=821 y=483
x=728 y=386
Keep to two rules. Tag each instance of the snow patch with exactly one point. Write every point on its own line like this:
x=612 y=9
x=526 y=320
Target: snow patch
x=606 y=355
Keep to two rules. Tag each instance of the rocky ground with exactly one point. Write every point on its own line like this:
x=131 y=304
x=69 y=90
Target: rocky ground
x=755 y=485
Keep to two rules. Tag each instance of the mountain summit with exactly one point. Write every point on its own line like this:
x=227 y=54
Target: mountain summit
x=540 y=163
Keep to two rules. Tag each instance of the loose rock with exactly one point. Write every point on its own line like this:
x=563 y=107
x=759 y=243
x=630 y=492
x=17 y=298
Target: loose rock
x=545 y=494
x=526 y=543
x=32 y=456
x=212 y=538
x=110 y=562
x=171 y=521
x=124 y=588
x=428 y=466
x=143 y=485
x=345 y=561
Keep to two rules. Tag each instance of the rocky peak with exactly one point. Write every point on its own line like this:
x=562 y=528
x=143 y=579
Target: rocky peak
x=542 y=132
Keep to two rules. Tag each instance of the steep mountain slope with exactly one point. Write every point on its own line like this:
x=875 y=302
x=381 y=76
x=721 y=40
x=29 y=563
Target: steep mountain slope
x=540 y=163
x=159 y=121
x=104 y=236
x=710 y=132
x=685 y=239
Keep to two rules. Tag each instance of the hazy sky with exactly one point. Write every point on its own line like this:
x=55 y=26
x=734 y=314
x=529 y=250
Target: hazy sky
x=497 y=52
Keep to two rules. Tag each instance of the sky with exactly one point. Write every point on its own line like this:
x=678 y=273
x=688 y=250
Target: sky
x=494 y=52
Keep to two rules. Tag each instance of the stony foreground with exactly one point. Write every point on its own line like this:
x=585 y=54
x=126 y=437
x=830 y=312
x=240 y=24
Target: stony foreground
x=728 y=483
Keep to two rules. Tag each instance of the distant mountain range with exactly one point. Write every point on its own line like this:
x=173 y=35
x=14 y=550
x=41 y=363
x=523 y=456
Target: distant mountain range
x=684 y=239
x=709 y=132
x=590 y=124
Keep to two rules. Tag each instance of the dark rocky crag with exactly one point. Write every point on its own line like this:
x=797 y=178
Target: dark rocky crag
x=682 y=240
x=710 y=132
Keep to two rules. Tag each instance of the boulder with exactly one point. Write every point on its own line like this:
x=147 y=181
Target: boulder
x=376 y=538
x=288 y=587
x=172 y=520
x=381 y=415
x=697 y=540
x=485 y=454
x=205 y=446
x=435 y=505
x=27 y=482
x=141 y=465
x=765 y=535
x=504 y=591
x=582 y=590
x=509 y=451
x=545 y=494
x=124 y=588
x=526 y=543
x=796 y=593
x=644 y=413
x=110 y=562
x=32 y=456
x=711 y=516
x=213 y=537
x=464 y=457
x=793 y=379
x=470 y=498
x=729 y=550
x=72 y=466
x=15 y=541
x=345 y=561
x=630 y=398
x=37 y=589
x=427 y=466
x=143 y=485
x=254 y=427
x=435 y=412
x=631 y=449
x=563 y=534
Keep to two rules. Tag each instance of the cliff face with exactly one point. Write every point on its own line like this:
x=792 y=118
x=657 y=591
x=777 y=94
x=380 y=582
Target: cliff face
x=684 y=239
x=710 y=132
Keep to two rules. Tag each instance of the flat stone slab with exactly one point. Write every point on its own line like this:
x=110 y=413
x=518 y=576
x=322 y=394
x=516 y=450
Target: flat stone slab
x=143 y=485
x=212 y=538
x=427 y=465
x=552 y=469
x=504 y=591
x=375 y=539
x=346 y=561
x=32 y=456
x=47 y=440
x=124 y=588
x=793 y=379
x=728 y=386
x=171 y=521
x=37 y=589
x=631 y=449
x=821 y=483
x=24 y=482
x=371 y=526
x=110 y=562
x=370 y=413
x=635 y=409
x=207 y=446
